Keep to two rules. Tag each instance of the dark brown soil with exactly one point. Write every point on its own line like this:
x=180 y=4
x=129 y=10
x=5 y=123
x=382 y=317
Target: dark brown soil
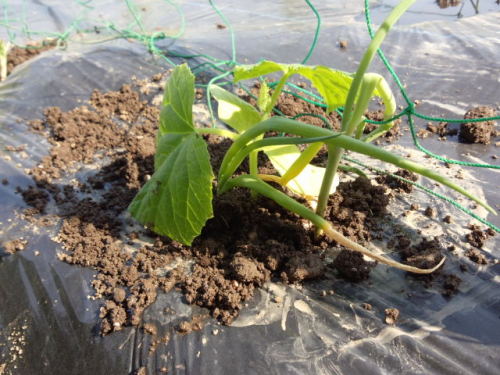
x=396 y=184
x=356 y=207
x=247 y=243
x=292 y=106
x=441 y=129
x=18 y=55
x=450 y=285
x=476 y=256
x=351 y=266
x=478 y=132
x=393 y=134
x=477 y=237
x=12 y=247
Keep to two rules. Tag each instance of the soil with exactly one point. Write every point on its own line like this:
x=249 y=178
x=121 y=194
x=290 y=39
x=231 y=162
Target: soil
x=12 y=247
x=247 y=243
x=393 y=134
x=397 y=184
x=476 y=256
x=441 y=129
x=450 y=285
x=477 y=237
x=18 y=55
x=293 y=106
x=478 y=132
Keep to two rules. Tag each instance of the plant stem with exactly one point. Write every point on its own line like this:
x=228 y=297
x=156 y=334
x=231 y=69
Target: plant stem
x=301 y=162
x=246 y=143
x=331 y=168
x=276 y=95
x=352 y=113
x=285 y=201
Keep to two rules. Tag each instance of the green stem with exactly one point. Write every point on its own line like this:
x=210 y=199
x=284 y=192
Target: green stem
x=352 y=112
x=374 y=45
x=301 y=162
x=285 y=201
x=276 y=95
x=333 y=161
x=241 y=147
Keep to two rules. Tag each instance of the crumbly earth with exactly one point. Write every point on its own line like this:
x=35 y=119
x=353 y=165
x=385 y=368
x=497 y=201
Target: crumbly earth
x=397 y=184
x=18 y=55
x=478 y=132
x=393 y=134
x=248 y=242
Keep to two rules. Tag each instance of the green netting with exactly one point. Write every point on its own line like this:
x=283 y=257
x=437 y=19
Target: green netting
x=17 y=28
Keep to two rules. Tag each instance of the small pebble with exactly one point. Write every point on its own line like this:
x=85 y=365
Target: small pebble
x=430 y=212
x=391 y=316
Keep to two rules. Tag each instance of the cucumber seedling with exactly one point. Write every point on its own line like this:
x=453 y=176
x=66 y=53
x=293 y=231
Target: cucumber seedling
x=177 y=200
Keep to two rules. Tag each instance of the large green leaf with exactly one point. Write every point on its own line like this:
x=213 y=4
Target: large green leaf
x=177 y=200
x=177 y=113
x=233 y=110
x=332 y=85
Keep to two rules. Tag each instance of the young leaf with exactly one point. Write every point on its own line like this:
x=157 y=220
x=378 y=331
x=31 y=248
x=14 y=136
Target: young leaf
x=177 y=200
x=177 y=113
x=332 y=85
x=308 y=182
x=240 y=115
x=233 y=110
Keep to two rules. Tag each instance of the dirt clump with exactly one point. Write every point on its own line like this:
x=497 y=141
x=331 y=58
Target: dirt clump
x=356 y=207
x=194 y=324
x=476 y=256
x=478 y=132
x=397 y=184
x=351 y=266
x=12 y=247
x=424 y=254
x=391 y=135
x=450 y=285
x=441 y=129
x=477 y=237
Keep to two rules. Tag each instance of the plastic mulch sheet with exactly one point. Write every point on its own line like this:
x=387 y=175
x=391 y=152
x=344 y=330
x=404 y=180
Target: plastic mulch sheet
x=47 y=320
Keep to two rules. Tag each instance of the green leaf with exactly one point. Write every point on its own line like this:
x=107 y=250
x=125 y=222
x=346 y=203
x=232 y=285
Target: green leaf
x=166 y=145
x=176 y=115
x=176 y=201
x=308 y=182
x=332 y=85
x=234 y=111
